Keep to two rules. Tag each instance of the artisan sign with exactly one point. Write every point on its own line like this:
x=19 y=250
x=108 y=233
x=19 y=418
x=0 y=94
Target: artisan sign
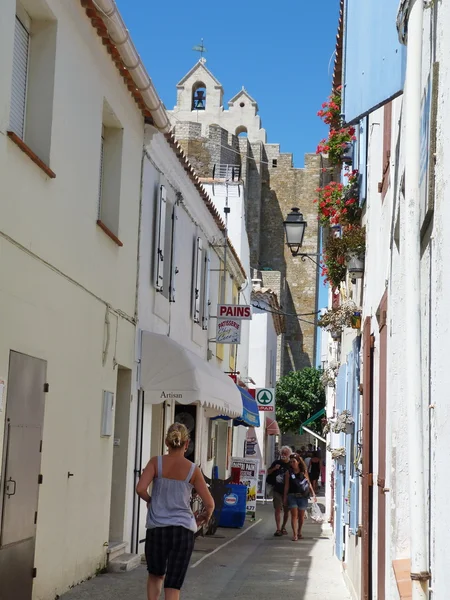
x=235 y=311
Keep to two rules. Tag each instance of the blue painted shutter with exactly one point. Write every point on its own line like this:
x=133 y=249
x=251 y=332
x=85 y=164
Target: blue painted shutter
x=355 y=481
x=338 y=441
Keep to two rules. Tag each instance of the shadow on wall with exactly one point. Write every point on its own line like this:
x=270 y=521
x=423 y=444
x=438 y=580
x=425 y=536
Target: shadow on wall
x=295 y=276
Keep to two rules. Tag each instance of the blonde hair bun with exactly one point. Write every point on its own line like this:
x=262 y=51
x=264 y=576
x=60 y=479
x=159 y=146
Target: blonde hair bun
x=177 y=435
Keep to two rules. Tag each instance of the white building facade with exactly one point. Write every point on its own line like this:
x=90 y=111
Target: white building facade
x=389 y=499
x=70 y=165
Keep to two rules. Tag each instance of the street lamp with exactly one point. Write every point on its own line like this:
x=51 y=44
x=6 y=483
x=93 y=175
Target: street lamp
x=294 y=227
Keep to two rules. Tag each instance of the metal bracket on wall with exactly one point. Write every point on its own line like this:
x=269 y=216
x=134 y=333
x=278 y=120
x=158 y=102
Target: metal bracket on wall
x=305 y=255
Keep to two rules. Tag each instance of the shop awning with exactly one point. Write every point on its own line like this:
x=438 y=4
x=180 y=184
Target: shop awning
x=272 y=427
x=250 y=412
x=171 y=372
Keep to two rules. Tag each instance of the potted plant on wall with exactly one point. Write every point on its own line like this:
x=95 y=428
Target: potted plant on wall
x=343 y=423
x=337 y=454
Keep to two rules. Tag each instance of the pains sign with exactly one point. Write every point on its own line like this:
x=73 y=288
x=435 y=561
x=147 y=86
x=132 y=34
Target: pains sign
x=235 y=311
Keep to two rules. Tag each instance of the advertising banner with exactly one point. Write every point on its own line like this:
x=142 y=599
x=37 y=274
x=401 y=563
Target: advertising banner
x=249 y=477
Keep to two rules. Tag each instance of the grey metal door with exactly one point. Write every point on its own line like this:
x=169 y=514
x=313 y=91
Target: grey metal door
x=20 y=475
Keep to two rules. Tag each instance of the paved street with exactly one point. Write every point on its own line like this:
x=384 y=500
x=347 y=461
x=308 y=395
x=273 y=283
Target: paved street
x=245 y=564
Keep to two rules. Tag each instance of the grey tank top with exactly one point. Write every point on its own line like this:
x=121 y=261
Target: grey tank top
x=171 y=501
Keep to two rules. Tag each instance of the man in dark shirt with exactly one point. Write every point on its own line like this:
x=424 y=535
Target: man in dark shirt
x=275 y=478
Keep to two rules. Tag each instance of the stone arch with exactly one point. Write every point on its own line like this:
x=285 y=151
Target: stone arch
x=199 y=96
x=241 y=131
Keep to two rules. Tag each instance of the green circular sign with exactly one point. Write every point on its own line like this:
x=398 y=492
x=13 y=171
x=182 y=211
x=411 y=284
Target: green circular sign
x=264 y=397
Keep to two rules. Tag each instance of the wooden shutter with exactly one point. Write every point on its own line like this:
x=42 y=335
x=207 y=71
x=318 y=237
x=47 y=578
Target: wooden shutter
x=387 y=138
x=206 y=285
x=173 y=258
x=19 y=79
x=197 y=280
x=160 y=239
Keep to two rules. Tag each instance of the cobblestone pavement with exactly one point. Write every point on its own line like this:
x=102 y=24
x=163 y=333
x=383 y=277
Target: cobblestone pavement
x=245 y=564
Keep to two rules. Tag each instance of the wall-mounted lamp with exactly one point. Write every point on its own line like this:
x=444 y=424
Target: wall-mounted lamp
x=295 y=226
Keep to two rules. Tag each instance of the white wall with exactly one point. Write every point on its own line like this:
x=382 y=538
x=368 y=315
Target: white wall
x=263 y=347
x=58 y=274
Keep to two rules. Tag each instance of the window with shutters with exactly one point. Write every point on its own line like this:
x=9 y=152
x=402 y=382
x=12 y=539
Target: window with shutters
x=197 y=280
x=19 y=76
x=233 y=347
x=206 y=291
x=220 y=348
x=32 y=86
x=160 y=239
x=173 y=254
x=110 y=172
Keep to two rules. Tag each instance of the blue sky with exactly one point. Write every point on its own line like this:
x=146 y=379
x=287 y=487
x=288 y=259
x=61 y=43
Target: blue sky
x=281 y=51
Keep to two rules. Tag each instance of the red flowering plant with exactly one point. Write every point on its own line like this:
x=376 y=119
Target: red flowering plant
x=330 y=112
x=333 y=262
x=336 y=144
x=337 y=203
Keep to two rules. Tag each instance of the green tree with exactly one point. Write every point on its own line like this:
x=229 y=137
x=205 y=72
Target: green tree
x=299 y=395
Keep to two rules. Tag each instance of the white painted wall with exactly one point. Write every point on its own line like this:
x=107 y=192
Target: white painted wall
x=263 y=348
x=58 y=274
x=174 y=319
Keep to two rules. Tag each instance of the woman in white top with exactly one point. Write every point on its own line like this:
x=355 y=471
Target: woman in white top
x=170 y=522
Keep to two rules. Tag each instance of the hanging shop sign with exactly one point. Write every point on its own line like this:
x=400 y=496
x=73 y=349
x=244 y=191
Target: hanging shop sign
x=265 y=398
x=249 y=476
x=228 y=331
x=235 y=311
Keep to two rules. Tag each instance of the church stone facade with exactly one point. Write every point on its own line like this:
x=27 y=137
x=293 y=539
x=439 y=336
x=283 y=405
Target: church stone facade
x=212 y=137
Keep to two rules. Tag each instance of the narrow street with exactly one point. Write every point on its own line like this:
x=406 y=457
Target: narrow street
x=245 y=564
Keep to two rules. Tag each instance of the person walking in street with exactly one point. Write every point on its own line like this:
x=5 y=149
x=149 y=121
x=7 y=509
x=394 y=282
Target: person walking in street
x=170 y=522
x=315 y=466
x=297 y=489
x=275 y=478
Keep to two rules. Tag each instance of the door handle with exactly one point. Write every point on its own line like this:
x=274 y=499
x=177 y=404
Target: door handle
x=10 y=485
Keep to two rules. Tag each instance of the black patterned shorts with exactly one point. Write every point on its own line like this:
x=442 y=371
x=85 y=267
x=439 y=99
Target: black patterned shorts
x=168 y=552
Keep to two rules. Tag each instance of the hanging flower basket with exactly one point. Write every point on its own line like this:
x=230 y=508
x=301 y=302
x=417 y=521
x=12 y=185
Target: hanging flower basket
x=343 y=422
x=337 y=454
x=335 y=320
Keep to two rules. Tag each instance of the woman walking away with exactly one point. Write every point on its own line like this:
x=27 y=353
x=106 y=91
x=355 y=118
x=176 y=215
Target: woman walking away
x=315 y=467
x=297 y=489
x=170 y=522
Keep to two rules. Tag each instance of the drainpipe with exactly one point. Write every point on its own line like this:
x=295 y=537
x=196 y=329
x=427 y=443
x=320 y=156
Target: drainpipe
x=120 y=36
x=413 y=338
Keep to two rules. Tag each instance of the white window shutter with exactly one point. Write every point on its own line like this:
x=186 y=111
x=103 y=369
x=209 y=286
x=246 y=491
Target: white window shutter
x=198 y=263
x=206 y=283
x=19 y=79
x=174 y=256
x=160 y=240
